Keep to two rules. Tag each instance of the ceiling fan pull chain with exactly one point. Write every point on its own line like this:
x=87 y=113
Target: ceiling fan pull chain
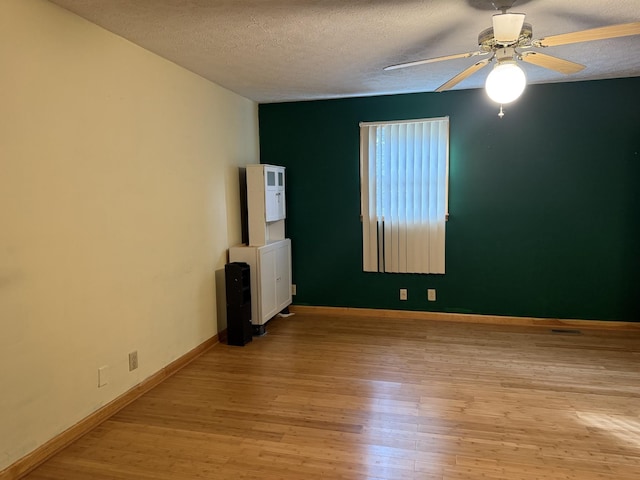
x=501 y=113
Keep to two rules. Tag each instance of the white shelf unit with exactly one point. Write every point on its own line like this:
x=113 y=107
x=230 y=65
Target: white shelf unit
x=270 y=277
x=265 y=203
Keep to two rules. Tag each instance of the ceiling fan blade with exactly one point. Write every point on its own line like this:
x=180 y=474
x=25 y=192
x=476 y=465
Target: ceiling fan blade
x=552 y=63
x=602 y=33
x=433 y=60
x=464 y=74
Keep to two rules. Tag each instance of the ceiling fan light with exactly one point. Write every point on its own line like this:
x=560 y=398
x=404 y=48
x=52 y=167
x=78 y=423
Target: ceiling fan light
x=505 y=83
x=507 y=27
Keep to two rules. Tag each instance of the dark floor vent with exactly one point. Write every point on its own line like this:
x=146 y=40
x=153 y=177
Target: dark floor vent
x=563 y=331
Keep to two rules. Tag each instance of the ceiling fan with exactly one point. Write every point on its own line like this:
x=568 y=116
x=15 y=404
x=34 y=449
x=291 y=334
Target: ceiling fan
x=508 y=41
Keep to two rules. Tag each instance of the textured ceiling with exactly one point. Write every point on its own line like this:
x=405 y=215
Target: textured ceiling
x=287 y=50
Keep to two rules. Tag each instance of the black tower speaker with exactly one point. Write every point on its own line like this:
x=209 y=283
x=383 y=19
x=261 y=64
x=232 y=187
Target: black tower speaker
x=237 y=279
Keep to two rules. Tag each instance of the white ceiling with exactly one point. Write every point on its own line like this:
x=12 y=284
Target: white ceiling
x=288 y=50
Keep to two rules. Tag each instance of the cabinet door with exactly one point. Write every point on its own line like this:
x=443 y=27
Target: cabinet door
x=271 y=194
x=280 y=194
x=268 y=296
x=274 y=193
x=283 y=274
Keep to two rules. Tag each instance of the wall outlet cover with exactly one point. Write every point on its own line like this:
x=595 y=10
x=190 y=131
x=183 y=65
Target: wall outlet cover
x=403 y=294
x=103 y=376
x=133 y=360
x=431 y=294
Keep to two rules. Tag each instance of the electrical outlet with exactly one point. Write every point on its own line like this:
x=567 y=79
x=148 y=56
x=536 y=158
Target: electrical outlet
x=403 y=294
x=293 y=289
x=133 y=360
x=103 y=376
x=431 y=294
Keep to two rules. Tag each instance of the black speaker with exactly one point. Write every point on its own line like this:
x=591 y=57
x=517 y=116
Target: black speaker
x=238 y=286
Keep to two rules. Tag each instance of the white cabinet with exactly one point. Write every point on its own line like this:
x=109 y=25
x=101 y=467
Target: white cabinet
x=270 y=275
x=269 y=252
x=265 y=203
x=274 y=193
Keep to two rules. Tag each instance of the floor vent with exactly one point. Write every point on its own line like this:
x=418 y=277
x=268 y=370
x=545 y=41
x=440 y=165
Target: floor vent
x=562 y=331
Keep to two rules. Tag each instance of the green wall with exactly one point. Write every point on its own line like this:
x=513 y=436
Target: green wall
x=544 y=204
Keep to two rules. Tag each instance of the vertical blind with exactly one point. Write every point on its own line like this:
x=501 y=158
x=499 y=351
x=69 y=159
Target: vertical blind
x=404 y=169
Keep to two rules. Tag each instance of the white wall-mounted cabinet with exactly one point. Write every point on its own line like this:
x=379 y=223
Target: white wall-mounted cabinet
x=270 y=276
x=274 y=193
x=265 y=203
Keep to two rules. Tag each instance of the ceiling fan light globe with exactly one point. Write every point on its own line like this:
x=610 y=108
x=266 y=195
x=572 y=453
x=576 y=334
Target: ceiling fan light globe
x=505 y=83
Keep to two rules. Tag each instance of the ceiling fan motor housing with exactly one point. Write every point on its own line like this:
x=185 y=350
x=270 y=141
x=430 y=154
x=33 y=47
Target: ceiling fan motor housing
x=488 y=42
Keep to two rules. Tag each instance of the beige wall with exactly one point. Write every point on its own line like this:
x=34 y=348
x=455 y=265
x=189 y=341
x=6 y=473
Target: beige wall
x=118 y=200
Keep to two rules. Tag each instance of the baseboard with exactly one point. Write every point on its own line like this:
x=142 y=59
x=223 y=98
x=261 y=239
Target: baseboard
x=32 y=460
x=222 y=336
x=465 y=317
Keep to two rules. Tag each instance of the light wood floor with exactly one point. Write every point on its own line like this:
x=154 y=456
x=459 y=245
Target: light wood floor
x=363 y=398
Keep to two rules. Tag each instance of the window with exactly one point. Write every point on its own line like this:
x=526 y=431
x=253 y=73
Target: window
x=404 y=170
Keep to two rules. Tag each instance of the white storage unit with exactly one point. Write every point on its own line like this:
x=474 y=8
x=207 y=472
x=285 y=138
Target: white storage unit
x=265 y=203
x=270 y=274
x=268 y=253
